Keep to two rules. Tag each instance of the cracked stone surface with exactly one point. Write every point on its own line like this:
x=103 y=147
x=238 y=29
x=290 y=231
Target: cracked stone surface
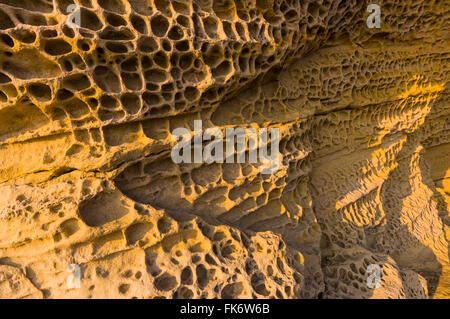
x=86 y=122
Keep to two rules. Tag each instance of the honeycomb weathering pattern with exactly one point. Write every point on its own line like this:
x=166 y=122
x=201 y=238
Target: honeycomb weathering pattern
x=86 y=177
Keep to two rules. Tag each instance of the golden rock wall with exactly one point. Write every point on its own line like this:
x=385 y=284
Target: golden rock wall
x=86 y=176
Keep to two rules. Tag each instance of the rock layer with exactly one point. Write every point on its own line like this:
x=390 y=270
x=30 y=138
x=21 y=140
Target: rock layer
x=86 y=122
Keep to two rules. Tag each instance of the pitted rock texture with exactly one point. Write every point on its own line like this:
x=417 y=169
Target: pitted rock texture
x=86 y=176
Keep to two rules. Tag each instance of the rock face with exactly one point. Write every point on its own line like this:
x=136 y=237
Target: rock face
x=86 y=174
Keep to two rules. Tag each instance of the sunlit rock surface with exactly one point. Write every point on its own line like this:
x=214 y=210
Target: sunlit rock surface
x=86 y=176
